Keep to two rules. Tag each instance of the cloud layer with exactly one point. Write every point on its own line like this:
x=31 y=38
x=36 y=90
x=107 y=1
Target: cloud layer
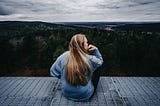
x=79 y=10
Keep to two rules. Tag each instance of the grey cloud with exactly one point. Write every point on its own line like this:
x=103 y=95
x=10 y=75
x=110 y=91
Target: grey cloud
x=10 y=7
x=145 y=3
x=32 y=7
x=4 y=11
x=57 y=10
x=108 y=5
x=46 y=8
x=140 y=4
x=24 y=17
x=103 y=6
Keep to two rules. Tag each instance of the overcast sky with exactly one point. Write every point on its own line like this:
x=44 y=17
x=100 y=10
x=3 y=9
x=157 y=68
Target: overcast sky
x=79 y=10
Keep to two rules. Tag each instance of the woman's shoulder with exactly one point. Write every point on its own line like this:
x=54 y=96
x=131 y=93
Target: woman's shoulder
x=64 y=55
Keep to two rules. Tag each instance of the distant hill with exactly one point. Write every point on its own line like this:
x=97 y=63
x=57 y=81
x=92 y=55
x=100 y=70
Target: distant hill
x=119 y=26
x=146 y=27
x=15 y=28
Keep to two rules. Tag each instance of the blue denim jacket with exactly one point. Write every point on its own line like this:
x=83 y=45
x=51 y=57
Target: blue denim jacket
x=80 y=93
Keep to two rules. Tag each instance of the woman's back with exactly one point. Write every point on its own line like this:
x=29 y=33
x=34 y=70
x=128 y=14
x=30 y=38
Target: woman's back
x=66 y=67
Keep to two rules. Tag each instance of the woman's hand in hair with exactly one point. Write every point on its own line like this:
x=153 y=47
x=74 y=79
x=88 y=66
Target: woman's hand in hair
x=91 y=47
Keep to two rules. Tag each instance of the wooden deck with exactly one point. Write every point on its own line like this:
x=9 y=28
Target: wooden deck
x=111 y=91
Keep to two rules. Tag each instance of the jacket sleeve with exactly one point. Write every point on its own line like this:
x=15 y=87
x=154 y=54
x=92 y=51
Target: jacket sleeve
x=56 y=68
x=95 y=59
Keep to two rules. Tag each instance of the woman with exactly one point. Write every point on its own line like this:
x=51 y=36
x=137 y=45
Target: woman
x=76 y=69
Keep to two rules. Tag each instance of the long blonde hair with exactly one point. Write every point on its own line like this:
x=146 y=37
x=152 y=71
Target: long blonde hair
x=77 y=66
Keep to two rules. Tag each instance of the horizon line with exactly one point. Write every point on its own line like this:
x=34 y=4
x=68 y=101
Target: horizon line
x=61 y=22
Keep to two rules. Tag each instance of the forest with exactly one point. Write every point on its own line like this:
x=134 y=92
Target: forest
x=30 y=48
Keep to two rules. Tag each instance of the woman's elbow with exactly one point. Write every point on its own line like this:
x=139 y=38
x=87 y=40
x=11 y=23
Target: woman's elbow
x=100 y=62
x=51 y=73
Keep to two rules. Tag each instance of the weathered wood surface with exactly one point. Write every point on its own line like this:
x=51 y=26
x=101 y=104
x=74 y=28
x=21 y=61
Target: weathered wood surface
x=111 y=91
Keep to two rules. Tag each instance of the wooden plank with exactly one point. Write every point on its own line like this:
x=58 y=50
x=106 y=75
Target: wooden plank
x=111 y=91
x=31 y=87
x=71 y=103
x=50 y=93
x=45 y=89
x=153 y=94
x=63 y=101
x=55 y=91
x=128 y=100
x=120 y=87
x=100 y=94
x=105 y=87
x=57 y=98
x=94 y=100
x=8 y=101
x=154 y=85
x=156 y=82
x=124 y=99
x=23 y=89
x=51 y=88
x=134 y=101
x=37 y=88
x=142 y=95
x=2 y=100
x=44 y=96
x=4 y=82
x=24 y=101
x=126 y=85
x=17 y=90
x=4 y=88
x=31 y=101
x=133 y=90
x=11 y=88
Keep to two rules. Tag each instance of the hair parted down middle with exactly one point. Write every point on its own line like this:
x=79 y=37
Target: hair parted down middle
x=77 y=66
